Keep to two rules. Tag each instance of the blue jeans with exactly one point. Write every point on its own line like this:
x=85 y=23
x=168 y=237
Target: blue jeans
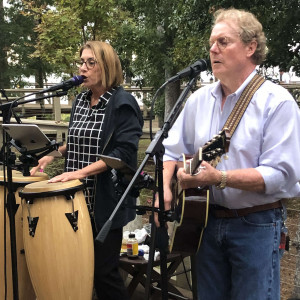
x=239 y=258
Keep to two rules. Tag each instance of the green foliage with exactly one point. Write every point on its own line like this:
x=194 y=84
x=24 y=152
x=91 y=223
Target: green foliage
x=63 y=28
x=280 y=20
x=65 y=117
x=163 y=38
x=4 y=45
x=20 y=40
x=59 y=39
x=154 y=38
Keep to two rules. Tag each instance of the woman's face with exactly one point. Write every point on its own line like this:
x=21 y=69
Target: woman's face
x=90 y=69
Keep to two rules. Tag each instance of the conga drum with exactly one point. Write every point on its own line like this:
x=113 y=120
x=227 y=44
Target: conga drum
x=25 y=288
x=58 y=240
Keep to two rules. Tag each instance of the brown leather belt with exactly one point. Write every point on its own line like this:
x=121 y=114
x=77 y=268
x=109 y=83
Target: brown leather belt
x=223 y=212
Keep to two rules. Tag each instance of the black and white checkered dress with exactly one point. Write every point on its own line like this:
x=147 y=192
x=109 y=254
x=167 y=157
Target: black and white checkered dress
x=84 y=137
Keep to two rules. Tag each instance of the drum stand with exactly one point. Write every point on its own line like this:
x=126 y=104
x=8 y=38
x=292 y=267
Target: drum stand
x=29 y=159
x=159 y=236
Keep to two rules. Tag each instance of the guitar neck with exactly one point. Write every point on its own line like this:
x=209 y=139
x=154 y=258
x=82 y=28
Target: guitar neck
x=210 y=152
x=194 y=163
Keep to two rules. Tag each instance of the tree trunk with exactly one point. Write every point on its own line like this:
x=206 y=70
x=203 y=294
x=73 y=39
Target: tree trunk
x=40 y=84
x=172 y=93
x=39 y=77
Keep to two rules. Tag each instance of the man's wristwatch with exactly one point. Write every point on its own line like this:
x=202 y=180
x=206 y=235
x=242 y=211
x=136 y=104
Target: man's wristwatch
x=223 y=182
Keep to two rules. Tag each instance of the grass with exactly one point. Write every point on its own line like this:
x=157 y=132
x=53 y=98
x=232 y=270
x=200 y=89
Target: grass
x=145 y=194
x=55 y=168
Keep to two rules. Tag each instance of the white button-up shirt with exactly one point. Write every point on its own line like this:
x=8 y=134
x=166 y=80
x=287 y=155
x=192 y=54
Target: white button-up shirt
x=267 y=139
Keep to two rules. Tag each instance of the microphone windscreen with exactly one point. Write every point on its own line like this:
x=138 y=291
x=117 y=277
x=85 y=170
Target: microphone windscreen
x=78 y=79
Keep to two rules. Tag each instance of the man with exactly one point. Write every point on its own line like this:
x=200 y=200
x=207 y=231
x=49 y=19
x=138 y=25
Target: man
x=239 y=253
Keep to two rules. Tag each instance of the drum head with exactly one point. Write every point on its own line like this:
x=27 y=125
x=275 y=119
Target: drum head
x=45 y=186
x=18 y=177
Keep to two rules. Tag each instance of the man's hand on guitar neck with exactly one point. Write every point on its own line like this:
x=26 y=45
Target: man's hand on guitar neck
x=207 y=175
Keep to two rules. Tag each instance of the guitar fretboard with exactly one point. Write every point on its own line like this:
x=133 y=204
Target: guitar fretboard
x=212 y=150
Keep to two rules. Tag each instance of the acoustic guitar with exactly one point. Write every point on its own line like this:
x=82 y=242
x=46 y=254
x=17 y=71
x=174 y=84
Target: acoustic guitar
x=191 y=205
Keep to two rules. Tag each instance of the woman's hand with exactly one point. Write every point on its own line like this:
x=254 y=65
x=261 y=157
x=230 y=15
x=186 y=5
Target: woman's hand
x=67 y=176
x=43 y=162
x=46 y=160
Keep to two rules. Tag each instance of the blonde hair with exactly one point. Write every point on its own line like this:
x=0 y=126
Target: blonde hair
x=108 y=61
x=249 y=29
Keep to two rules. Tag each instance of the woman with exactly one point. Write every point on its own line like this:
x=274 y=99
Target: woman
x=104 y=120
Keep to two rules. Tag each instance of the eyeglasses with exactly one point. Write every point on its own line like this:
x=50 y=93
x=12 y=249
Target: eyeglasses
x=222 y=42
x=90 y=63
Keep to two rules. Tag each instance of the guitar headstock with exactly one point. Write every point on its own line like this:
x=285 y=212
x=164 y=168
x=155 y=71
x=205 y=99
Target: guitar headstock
x=217 y=146
x=211 y=151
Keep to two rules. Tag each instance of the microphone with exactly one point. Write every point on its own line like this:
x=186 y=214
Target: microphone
x=145 y=181
x=66 y=85
x=191 y=71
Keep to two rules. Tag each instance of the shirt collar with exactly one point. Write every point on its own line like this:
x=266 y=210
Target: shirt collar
x=103 y=99
x=216 y=92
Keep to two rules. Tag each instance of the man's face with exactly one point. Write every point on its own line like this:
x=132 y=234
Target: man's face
x=228 y=55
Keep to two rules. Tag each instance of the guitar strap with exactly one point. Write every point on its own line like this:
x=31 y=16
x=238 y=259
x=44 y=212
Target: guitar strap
x=243 y=102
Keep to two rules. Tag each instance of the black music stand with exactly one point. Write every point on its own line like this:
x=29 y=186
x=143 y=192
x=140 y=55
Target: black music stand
x=29 y=137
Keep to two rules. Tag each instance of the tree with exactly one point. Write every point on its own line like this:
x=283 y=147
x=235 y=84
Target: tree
x=154 y=39
x=64 y=27
x=4 y=76
x=163 y=39
x=283 y=33
x=146 y=34
x=19 y=40
x=280 y=20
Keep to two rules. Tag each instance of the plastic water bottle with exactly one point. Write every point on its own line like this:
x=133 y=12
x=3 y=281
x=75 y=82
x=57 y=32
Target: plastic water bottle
x=132 y=246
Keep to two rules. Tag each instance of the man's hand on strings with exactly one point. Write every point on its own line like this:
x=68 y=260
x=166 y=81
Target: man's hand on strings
x=206 y=175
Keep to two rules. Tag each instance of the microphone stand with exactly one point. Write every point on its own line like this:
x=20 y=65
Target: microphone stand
x=9 y=198
x=159 y=236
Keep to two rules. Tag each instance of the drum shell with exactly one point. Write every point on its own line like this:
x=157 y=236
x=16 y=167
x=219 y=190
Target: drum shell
x=25 y=288
x=60 y=260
